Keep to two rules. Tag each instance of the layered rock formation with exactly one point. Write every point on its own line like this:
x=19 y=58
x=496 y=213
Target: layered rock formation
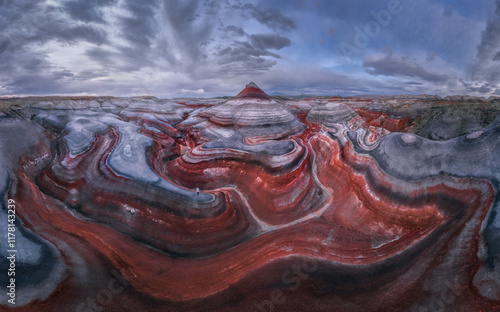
x=252 y=204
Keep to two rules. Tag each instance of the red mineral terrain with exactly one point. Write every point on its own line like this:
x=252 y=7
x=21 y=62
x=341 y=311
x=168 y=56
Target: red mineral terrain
x=252 y=203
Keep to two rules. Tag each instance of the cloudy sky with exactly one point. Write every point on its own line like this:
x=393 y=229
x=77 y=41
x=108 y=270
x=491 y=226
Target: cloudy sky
x=210 y=48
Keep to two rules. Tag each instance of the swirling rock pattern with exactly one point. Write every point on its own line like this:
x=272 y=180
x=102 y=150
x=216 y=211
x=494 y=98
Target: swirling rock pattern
x=251 y=204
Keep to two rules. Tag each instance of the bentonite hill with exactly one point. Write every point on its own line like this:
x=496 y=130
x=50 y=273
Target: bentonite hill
x=252 y=203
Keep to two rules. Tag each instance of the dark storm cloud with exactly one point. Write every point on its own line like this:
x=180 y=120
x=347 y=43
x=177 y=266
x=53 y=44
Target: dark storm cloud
x=496 y=57
x=212 y=7
x=389 y=65
x=477 y=87
x=253 y=55
x=486 y=66
x=25 y=67
x=243 y=66
x=4 y=45
x=484 y=89
x=414 y=83
x=269 y=41
x=77 y=34
x=234 y=30
x=129 y=38
x=271 y=17
x=193 y=27
x=27 y=25
x=180 y=12
x=268 y=16
x=140 y=28
x=101 y=56
x=60 y=74
x=240 y=50
x=42 y=23
x=244 y=54
x=87 y=11
x=90 y=74
x=188 y=31
x=38 y=82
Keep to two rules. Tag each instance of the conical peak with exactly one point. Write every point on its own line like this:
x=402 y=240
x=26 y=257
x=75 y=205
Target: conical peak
x=252 y=85
x=252 y=91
